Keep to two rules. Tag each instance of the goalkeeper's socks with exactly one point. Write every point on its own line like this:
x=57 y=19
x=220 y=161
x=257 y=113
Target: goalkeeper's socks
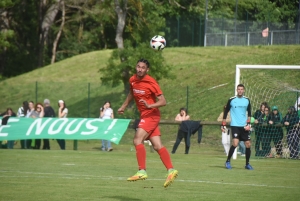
x=248 y=154
x=231 y=150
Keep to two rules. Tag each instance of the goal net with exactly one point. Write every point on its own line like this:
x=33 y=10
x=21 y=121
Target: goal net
x=279 y=87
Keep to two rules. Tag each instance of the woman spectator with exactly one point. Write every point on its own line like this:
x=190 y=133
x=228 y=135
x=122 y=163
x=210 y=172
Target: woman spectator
x=22 y=112
x=106 y=112
x=62 y=113
x=37 y=113
x=291 y=122
x=9 y=113
x=266 y=133
x=276 y=130
x=258 y=128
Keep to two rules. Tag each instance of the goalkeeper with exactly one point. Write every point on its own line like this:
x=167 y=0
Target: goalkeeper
x=239 y=107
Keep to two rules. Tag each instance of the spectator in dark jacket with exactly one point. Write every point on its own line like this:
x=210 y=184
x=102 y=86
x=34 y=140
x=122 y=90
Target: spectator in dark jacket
x=258 y=128
x=276 y=130
x=5 y=115
x=291 y=122
x=48 y=112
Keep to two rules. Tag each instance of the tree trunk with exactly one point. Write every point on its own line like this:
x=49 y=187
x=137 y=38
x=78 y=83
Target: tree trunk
x=4 y=26
x=121 y=12
x=59 y=32
x=42 y=5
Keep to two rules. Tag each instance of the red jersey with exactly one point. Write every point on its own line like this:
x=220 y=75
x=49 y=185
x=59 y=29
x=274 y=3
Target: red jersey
x=147 y=89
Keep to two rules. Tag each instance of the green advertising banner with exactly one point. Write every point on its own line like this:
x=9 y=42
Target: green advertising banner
x=64 y=128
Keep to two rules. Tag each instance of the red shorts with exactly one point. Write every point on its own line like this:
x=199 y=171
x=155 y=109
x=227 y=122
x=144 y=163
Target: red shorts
x=150 y=125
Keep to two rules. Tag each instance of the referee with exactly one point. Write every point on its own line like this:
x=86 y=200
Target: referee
x=239 y=106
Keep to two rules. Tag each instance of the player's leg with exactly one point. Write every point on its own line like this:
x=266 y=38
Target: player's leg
x=246 y=138
x=235 y=141
x=138 y=140
x=164 y=156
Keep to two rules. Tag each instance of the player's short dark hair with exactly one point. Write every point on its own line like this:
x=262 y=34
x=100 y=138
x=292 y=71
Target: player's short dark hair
x=144 y=61
x=240 y=85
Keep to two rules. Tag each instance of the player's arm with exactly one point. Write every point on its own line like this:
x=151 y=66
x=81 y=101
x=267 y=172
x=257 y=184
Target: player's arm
x=226 y=110
x=126 y=102
x=249 y=112
x=161 y=101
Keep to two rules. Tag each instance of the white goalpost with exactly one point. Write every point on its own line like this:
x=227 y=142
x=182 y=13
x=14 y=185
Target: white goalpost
x=276 y=84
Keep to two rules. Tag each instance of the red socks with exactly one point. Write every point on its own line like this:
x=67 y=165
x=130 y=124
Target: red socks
x=141 y=156
x=165 y=158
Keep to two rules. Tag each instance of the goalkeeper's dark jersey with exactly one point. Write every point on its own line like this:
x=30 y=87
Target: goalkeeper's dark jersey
x=238 y=110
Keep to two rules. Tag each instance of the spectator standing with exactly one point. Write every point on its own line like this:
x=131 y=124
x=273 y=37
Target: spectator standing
x=276 y=130
x=291 y=122
x=9 y=113
x=30 y=143
x=106 y=112
x=48 y=112
x=297 y=105
x=258 y=128
x=62 y=113
x=37 y=113
x=180 y=117
x=22 y=112
x=266 y=133
x=225 y=132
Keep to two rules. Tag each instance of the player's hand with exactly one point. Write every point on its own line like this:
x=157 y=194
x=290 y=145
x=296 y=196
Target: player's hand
x=248 y=126
x=223 y=127
x=121 y=110
x=145 y=103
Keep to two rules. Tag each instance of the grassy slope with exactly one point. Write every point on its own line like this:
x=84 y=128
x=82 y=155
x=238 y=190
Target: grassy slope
x=198 y=68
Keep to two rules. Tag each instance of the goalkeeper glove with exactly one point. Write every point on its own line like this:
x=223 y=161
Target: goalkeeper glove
x=223 y=126
x=248 y=126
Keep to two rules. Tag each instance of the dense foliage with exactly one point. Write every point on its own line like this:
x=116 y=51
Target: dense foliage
x=29 y=28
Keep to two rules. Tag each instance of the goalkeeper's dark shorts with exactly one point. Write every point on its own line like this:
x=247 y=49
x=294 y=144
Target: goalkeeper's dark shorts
x=240 y=133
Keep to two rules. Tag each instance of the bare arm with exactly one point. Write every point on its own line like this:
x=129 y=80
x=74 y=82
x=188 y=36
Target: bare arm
x=159 y=103
x=178 y=118
x=112 y=114
x=128 y=99
x=42 y=112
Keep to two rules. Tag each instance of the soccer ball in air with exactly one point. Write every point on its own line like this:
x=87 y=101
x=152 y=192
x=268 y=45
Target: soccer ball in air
x=158 y=43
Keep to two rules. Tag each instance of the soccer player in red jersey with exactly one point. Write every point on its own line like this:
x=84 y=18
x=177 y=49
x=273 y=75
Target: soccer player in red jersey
x=148 y=98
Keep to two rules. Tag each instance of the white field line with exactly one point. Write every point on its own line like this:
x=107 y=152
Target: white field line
x=90 y=177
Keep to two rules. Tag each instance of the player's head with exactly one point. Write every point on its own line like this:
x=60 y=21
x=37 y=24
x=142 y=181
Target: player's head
x=142 y=67
x=240 y=89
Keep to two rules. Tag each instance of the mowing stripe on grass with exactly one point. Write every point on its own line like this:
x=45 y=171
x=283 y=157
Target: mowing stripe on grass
x=88 y=177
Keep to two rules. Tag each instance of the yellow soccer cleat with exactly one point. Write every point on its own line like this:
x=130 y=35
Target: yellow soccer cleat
x=172 y=174
x=140 y=175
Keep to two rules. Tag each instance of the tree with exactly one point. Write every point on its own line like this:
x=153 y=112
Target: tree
x=118 y=71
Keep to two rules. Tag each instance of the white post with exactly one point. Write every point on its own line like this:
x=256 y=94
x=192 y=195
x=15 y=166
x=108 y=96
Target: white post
x=225 y=40
x=271 y=37
x=248 y=42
